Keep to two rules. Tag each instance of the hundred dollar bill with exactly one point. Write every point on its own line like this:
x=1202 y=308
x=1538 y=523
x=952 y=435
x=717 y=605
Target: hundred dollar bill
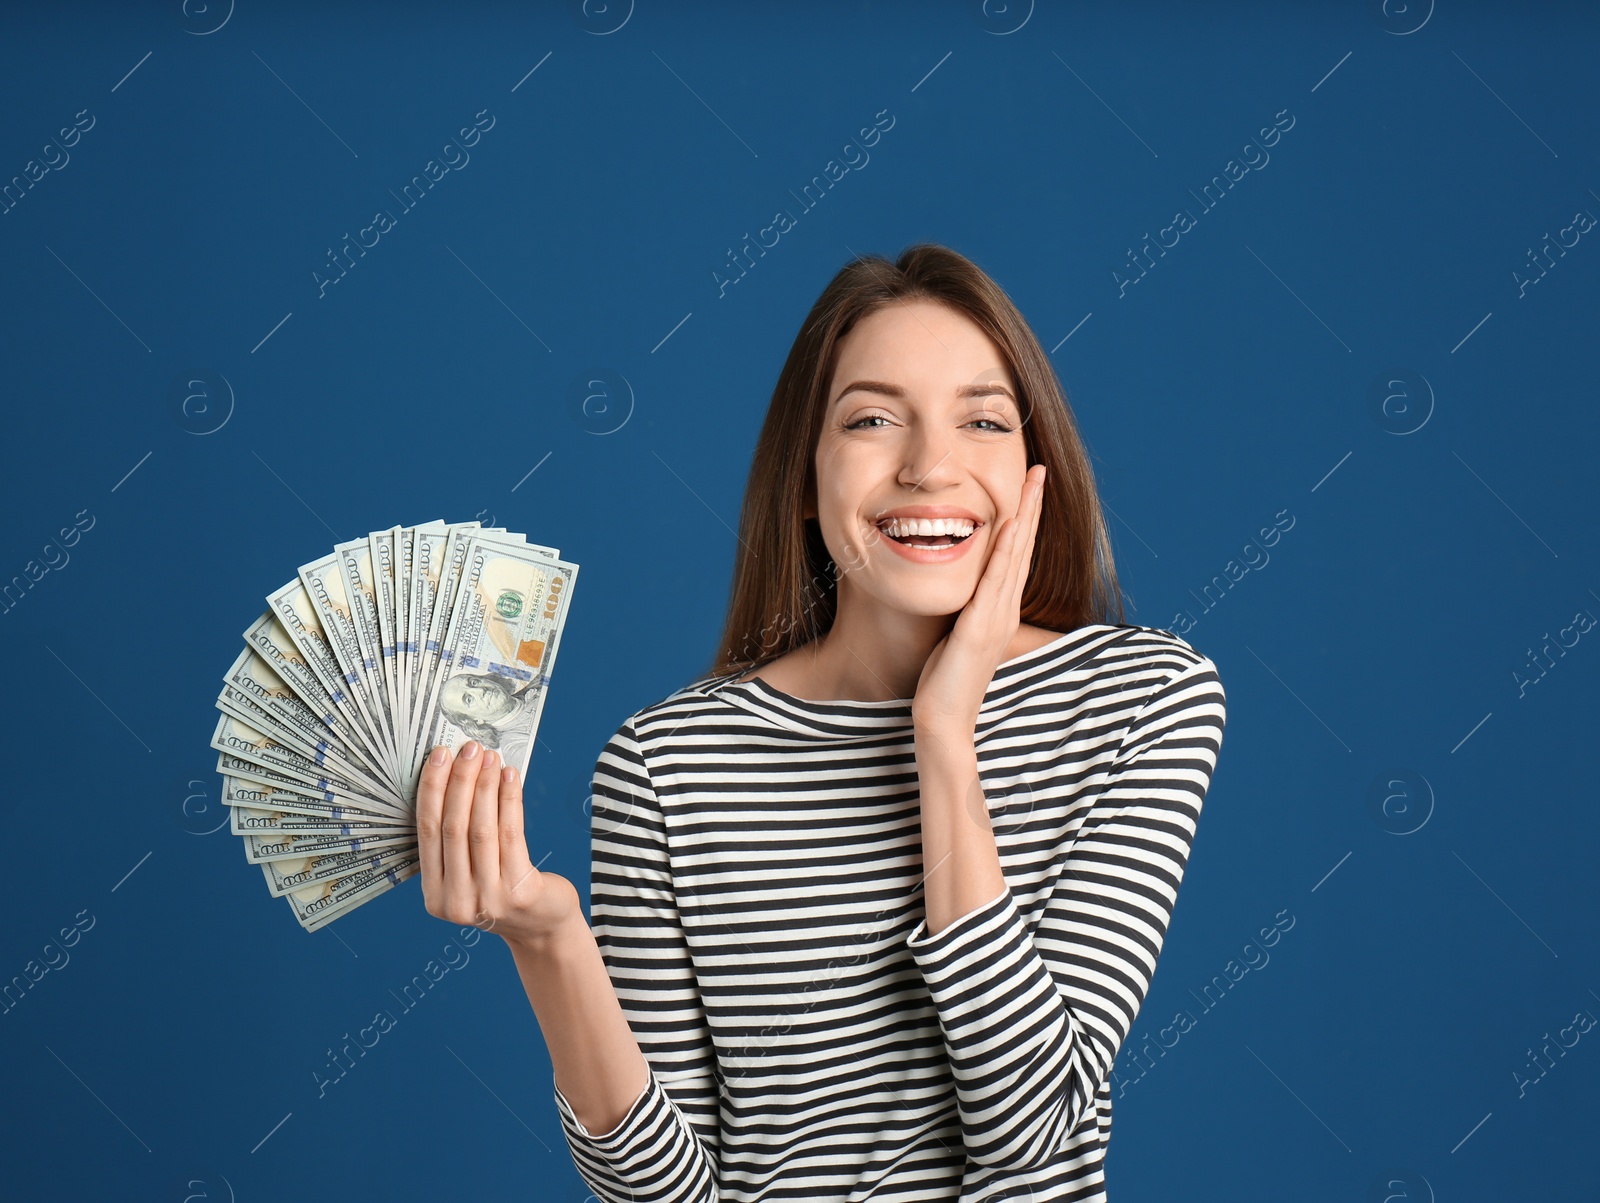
x=272 y=643
x=324 y=585
x=361 y=590
x=258 y=848
x=247 y=784
x=407 y=637
x=297 y=614
x=287 y=792
x=497 y=657
x=427 y=573
x=405 y=560
x=235 y=705
x=239 y=739
x=253 y=692
x=322 y=902
x=284 y=874
x=433 y=619
x=264 y=821
x=437 y=619
x=290 y=797
x=438 y=556
x=381 y=547
x=247 y=741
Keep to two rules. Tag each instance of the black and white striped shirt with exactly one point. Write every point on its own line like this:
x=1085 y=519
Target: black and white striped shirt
x=756 y=896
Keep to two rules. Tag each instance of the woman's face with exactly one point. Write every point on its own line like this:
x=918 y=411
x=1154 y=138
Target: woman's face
x=921 y=421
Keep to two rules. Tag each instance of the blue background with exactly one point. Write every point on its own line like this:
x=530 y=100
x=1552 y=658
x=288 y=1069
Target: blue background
x=1426 y=944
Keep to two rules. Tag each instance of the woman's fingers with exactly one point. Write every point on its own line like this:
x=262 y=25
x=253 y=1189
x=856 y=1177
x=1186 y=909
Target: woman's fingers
x=1000 y=575
x=1020 y=547
x=430 y=805
x=454 y=822
x=483 y=832
x=519 y=876
x=1000 y=556
x=514 y=861
x=988 y=605
x=1028 y=516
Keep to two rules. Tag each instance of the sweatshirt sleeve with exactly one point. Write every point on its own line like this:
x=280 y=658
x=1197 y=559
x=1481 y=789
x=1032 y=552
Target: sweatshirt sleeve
x=1033 y=1015
x=665 y=1147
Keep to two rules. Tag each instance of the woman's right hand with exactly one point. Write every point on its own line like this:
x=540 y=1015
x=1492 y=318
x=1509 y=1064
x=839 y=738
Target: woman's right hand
x=475 y=866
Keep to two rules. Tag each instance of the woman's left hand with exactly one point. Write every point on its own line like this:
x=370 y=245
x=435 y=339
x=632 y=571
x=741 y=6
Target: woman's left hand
x=961 y=667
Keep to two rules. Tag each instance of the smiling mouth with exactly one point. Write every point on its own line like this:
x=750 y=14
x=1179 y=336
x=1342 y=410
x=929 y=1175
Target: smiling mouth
x=913 y=540
x=929 y=540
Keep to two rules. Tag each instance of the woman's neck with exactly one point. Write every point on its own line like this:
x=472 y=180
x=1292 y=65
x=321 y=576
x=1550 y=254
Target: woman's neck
x=873 y=662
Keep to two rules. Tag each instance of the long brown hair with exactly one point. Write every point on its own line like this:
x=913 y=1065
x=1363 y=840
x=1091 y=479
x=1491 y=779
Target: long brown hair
x=785 y=588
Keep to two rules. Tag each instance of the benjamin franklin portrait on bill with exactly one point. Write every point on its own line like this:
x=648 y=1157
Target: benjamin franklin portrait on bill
x=484 y=705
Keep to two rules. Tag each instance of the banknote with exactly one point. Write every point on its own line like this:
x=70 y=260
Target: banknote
x=249 y=784
x=253 y=692
x=380 y=547
x=267 y=637
x=258 y=848
x=426 y=554
x=322 y=902
x=323 y=582
x=440 y=559
x=262 y=750
x=298 y=615
x=361 y=592
x=285 y=876
x=499 y=651
x=373 y=654
x=263 y=818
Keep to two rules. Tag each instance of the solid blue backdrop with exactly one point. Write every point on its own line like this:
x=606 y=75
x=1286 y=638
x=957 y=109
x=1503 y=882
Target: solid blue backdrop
x=1325 y=273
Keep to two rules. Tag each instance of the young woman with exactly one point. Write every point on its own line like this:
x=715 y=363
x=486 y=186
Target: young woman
x=876 y=901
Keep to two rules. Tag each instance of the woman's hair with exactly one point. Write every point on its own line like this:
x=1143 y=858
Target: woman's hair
x=785 y=587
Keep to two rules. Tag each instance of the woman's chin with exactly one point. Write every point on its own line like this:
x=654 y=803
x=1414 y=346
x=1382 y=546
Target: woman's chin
x=930 y=600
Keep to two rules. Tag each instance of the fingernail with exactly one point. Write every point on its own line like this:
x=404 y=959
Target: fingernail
x=438 y=755
x=491 y=758
x=508 y=775
x=469 y=749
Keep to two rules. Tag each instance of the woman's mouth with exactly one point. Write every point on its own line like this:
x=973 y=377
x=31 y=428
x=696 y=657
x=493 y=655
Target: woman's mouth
x=927 y=532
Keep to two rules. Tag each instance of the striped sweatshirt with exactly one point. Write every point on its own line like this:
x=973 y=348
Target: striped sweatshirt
x=756 y=895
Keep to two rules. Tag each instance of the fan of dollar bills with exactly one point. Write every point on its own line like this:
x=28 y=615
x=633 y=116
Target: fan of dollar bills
x=376 y=653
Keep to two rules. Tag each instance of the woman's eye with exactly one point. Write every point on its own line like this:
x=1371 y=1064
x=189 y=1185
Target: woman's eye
x=993 y=425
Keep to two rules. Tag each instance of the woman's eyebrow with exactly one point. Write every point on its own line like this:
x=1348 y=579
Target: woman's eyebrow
x=991 y=389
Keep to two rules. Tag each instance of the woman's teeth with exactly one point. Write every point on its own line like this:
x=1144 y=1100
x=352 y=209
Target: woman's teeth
x=928 y=532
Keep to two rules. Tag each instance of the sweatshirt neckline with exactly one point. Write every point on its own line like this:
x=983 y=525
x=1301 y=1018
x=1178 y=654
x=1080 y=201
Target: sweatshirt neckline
x=845 y=717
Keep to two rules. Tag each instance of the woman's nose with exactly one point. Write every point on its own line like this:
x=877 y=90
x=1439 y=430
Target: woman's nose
x=929 y=459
